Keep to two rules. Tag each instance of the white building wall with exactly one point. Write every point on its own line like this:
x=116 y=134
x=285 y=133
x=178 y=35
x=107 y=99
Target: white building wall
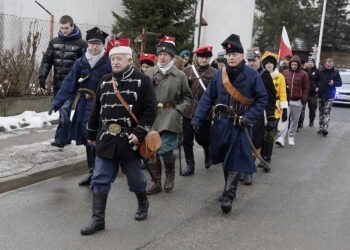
x=225 y=17
x=93 y=12
x=17 y=16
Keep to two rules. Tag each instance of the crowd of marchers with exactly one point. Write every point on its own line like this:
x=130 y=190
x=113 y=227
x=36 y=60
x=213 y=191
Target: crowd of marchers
x=236 y=108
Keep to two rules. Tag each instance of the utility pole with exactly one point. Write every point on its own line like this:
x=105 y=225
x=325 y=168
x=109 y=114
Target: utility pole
x=200 y=24
x=321 y=34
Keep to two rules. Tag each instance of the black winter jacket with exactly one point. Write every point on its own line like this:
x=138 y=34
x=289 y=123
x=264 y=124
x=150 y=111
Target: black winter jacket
x=62 y=52
x=313 y=78
x=270 y=90
x=326 y=91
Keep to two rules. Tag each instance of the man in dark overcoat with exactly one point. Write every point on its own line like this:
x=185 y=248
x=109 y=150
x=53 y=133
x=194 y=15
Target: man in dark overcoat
x=239 y=98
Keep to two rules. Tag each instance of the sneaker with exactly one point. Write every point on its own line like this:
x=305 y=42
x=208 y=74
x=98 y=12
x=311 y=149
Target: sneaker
x=280 y=142
x=325 y=132
x=320 y=132
x=291 y=141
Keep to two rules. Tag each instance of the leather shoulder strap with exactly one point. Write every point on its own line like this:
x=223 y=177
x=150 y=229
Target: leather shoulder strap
x=121 y=99
x=233 y=91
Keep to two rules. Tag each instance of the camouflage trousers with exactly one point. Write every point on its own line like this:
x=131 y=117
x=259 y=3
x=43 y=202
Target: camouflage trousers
x=325 y=107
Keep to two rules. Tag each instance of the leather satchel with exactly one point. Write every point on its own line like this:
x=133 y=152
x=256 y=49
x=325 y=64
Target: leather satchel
x=150 y=145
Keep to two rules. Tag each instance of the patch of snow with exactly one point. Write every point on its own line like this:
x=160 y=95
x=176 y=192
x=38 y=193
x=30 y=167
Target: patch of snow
x=21 y=158
x=28 y=119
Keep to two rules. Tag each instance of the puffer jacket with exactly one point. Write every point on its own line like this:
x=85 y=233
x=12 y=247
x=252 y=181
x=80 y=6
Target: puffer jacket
x=62 y=52
x=297 y=82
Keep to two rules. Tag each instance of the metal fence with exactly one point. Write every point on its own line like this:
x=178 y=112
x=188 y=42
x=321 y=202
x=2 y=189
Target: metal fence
x=23 y=41
x=15 y=30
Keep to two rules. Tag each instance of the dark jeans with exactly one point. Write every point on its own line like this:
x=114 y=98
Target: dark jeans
x=62 y=130
x=312 y=103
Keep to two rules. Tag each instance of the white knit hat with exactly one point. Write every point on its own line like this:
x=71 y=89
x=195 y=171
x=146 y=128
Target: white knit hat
x=120 y=50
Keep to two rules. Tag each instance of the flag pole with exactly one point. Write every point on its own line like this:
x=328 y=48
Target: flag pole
x=321 y=34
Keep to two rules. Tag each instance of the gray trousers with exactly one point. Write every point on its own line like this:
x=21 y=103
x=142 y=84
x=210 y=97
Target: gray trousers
x=294 y=111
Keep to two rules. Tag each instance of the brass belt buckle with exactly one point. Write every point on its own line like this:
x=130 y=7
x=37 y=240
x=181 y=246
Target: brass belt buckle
x=114 y=128
x=160 y=105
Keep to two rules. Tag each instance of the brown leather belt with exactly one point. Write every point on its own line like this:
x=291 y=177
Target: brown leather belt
x=88 y=93
x=166 y=105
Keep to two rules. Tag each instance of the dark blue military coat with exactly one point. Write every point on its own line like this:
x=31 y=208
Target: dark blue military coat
x=229 y=143
x=69 y=88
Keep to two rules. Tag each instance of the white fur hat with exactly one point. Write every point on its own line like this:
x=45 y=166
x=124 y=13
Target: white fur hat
x=120 y=50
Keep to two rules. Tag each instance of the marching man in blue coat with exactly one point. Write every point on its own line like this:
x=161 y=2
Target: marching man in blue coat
x=239 y=98
x=84 y=78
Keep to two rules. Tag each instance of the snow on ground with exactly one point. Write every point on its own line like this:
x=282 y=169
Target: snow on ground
x=28 y=119
x=21 y=158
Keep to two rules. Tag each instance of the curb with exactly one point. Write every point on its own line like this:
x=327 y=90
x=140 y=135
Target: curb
x=42 y=172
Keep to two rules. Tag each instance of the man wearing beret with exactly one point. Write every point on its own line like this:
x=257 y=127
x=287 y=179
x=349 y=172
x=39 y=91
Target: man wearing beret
x=116 y=134
x=173 y=96
x=199 y=75
x=239 y=97
x=84 y=78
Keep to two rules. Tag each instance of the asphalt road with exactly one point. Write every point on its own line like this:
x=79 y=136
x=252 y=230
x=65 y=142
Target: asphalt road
x=303 y=203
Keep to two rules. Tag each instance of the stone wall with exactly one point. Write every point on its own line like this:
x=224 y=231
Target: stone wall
x=17 y=105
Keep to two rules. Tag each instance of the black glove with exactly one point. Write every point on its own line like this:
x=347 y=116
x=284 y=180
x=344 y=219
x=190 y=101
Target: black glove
x=244 y=122
x=284 y=115
x=271 y=124
x=196 y=129
x=42 y=83
x=53 y=108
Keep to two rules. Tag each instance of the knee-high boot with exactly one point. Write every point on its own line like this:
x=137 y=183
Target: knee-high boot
x=266 y=152
x=143 y=204
x=221 y=196
x=207 y=156
x=97 y=221
x=189 y=170
x=169 y=176
x=156 y=184
x=90 y=156
x=230 y=191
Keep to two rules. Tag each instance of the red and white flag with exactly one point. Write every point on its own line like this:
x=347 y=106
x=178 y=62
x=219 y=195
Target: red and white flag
x=285 y=48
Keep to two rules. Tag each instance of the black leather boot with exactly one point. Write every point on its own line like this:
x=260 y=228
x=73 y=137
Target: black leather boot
x=143 y=204
x=221 y=196
x=90 y=156
x=156 y=184
x=189 y=170
x=207 y=155
x=248 y=178
x=97 y=221
x=229 y=191
x=169 y=176
x=241 y=176
x=266 y=153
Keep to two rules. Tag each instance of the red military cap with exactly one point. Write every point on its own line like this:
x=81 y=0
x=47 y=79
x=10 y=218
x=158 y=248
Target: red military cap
x=167 y=39
x=147 y=58
x=125 y=42
x=204 y=51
